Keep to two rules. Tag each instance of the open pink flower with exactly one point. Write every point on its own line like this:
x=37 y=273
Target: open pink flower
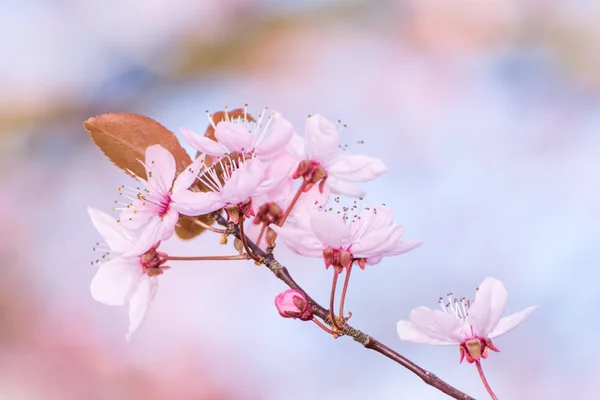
x=322 y=159
x=469 y=325
x=163 y=198
x=131 y=276
x=241 y=180
x=346 y=236
x=266 y=137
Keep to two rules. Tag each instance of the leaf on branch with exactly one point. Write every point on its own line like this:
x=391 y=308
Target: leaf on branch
x=123 y=138
x=186 y=229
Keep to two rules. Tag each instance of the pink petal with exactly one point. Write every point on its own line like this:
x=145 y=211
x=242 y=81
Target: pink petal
x=274 y=142
x=150 y=235
x=437 y=325
x=356 y=168
x=488 y=307
x=233 y=136
x=114 y=280
x=196 y=203
x=189 y=175
x=322 y=139
x=202 y=143
x=138 y=215
x=243 y=182
x=346 y=188
x=139 y=303
x=300 y=241
x=507 y=324
x=330 y=229
x=115 y=236
x=160 y=168
x=409 y=332
x=169 y=220
x=297 y=147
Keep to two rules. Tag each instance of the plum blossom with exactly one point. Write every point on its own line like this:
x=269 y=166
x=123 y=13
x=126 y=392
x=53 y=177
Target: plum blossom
x=238 y=182
x=293 y=304
x=243 y=135
x=163 y=198
x=342 y=237
x=321 y=159
x=130 y=277
x=469 y=325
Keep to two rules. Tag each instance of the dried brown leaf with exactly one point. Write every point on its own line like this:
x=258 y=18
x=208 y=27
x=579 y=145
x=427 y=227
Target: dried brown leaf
x=123 y=138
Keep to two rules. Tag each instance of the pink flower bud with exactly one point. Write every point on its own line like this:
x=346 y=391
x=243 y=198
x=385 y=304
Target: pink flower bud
x=293 y=304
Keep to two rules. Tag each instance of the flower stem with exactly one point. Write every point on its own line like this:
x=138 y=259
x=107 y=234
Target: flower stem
x=343 y=299
x=325 y=328
x=332 y=300
x=485 y=382
x=245 y=242
x=206 y=226
x=293 y=203
x=262 y=232
x=209 y=258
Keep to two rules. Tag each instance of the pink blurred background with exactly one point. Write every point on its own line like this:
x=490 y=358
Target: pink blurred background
x=484 y=111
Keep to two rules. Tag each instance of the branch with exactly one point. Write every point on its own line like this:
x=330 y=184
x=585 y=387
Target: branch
x=366 y=340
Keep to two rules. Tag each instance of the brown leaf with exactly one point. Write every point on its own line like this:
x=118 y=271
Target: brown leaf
x=123 y=138
x=186 y=229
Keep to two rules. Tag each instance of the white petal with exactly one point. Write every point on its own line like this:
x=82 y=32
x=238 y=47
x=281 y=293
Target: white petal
x=114 y=280
x=322 y=139
x=437 y=325
x=188 y=175
x=196 y=203
x=150 y=235
x=300 y=241
x=169 y=220
x=407 y=331
x=274 y=142
x=233 y=136
x=139 y=303
x=115 y=236
x=297 y=147
x=357 y=168
x=488 y=307
x=507 y=324
x=330 y=228
x=346 y=188
x=202 y=143
x=160 y=168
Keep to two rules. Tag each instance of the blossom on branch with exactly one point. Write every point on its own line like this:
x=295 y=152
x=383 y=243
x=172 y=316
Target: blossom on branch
x=130 y=277
x=266 y=137
x=347 y=235
x=469 y=325
x=164 y=197
x=321 y=160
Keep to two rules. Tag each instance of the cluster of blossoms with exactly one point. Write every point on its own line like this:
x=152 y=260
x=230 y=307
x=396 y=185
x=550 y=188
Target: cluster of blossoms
x=272 y=183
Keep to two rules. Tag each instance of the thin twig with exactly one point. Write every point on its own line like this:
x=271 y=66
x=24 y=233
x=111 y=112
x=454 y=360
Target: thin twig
x=366 y=340
x=210 y=258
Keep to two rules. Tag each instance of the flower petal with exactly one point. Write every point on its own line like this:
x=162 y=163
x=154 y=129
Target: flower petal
x=244 y=182
x=150 y=235
x=114 y=280
x=322 y=139
x=356 y=168
x=409 y=332
x=346 y=188
x=488 y=307
x=139 y=303
x=300 y=241
x=189 y=175
x=273 y=142
x=196 y=203
x=233 y=136
x=169 y=220
x=297 y=147
x=160 y=168
x=330 y=229
x=202 y=143
x=437 y=326
x=507 y=324
x=115 y=236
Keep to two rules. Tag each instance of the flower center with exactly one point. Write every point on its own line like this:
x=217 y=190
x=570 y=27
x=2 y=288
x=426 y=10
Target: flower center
x=152 y=261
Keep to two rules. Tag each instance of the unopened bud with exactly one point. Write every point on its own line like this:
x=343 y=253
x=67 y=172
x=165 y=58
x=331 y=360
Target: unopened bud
x=293 y=304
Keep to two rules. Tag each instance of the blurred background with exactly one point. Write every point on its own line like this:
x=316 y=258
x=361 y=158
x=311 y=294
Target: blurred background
x=487 y=113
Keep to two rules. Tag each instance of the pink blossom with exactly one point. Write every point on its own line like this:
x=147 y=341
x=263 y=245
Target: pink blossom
x=244 y=136
x=293 y=304
x=345 y=236
x=469 y=325
x=240 y=181
x=131 y=276
x=163 y=198
x=322 y=159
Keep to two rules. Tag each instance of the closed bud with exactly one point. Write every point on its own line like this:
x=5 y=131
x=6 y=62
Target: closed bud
x=293 y=304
